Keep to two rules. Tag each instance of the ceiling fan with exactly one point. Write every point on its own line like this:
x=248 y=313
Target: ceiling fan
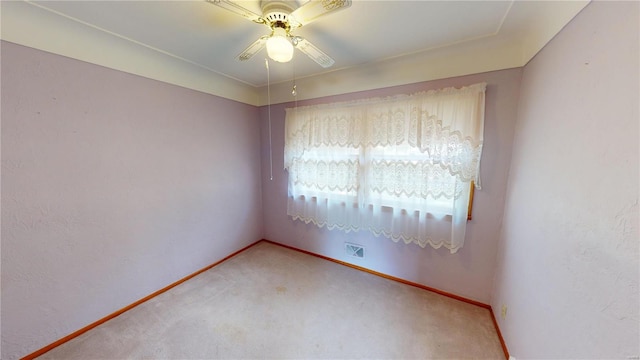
x=283 y=17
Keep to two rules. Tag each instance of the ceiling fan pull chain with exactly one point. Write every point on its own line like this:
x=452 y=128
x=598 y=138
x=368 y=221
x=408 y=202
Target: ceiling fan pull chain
x=294 y=90
x=266 y=65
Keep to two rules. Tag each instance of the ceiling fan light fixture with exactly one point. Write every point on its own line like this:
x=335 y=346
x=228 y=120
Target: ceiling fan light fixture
x=279 y=47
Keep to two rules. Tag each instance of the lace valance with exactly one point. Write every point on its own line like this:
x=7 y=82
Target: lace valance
x=429 y=122
x=414 y=154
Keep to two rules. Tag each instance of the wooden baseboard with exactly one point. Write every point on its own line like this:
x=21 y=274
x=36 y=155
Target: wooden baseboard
x=437 y=291
x=502 y=343
x=77 y=333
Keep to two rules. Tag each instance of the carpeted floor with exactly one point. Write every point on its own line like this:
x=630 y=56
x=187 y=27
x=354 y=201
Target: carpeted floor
x=273 y=302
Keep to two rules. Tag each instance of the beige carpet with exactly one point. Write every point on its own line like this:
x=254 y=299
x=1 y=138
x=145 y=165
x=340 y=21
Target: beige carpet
x=272 y=302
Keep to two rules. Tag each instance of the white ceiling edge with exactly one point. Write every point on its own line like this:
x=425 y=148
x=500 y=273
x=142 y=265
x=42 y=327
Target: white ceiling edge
x=514 y=46
x=30 y=25
x=550 y=18
x=477 y=57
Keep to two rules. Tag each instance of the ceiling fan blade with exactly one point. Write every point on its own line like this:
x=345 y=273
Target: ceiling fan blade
x=315 y=9
x=313 y=52
x=238 y=10
x=253 y=48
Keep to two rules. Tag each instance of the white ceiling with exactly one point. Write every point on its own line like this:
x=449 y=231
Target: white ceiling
x=191 y=43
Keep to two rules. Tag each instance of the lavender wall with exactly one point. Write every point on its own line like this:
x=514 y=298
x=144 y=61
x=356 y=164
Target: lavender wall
x=113 y=186
x=568 y=259
x=470 y=271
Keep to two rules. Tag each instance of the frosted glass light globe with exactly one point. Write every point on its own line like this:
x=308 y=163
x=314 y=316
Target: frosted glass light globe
x=279 y=48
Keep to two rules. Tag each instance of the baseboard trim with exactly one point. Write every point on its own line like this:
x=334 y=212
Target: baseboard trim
x=81 y=331
x=502 y=343
x=373 y=272
x=77 y=333
x=406 y=282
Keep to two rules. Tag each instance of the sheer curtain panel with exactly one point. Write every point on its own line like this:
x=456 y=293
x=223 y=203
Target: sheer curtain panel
x=401 y=166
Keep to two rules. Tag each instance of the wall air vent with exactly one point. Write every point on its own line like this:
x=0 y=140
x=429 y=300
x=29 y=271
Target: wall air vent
x=354 y=250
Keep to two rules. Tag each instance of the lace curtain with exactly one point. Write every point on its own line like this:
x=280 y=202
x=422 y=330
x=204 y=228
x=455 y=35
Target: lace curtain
x=400 y=166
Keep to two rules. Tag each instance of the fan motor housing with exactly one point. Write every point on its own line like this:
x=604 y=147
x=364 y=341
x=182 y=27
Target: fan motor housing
x=274 y=11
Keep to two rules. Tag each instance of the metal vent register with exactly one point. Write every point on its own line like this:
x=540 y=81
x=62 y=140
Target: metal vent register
x=354 y=250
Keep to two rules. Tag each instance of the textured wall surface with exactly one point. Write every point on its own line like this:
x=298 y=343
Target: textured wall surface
x=470 y=271
x=113 y=186
x=568 y=260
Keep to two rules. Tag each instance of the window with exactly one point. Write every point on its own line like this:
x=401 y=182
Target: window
x=401 y=167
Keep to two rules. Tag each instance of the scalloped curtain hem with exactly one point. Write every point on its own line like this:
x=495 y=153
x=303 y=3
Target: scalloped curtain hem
x=378 y=232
